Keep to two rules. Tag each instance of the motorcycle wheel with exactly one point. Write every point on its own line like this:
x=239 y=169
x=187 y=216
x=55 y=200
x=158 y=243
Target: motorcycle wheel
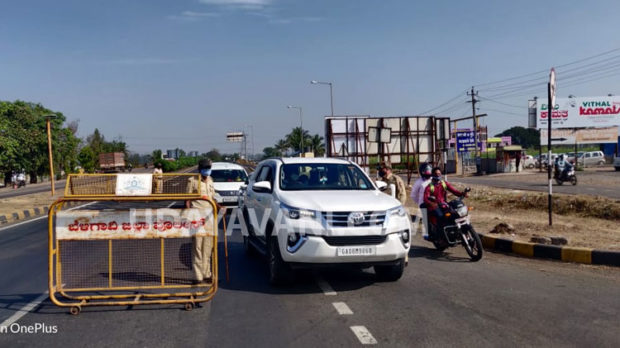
x=472 y=243
x=440 y=245
x=559 y=182
x=573 y=180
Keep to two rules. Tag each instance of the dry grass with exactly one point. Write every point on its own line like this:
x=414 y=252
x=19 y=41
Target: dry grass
x=585 y=221
x=20 y=203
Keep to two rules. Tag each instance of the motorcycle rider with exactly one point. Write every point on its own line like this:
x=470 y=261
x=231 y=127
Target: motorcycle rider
x=562 y=166
x=417 y=194
x=435 y=198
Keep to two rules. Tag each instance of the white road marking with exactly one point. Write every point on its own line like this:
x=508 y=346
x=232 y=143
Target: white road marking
x=363 y=335
x=325 y=287
x=25 y=310
x=40 y=218
x=342 y=308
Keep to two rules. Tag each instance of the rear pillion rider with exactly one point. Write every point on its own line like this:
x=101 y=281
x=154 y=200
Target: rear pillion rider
x=435 y=197
x=417 y=194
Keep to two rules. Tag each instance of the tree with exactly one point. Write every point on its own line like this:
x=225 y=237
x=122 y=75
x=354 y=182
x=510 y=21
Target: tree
x=270 y=152
x=87 y=159
x=157 y=155
x=526 y=137
x=24 y=139
x=281 y=147
x=214 y=155
x=296 y=138
x=317 y=145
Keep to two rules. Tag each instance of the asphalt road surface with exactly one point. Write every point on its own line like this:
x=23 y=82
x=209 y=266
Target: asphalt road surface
x=442 y=300
x=513 y=182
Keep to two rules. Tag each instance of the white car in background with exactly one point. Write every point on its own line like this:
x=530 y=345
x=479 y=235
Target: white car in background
x=306 y=212
x=228 y=178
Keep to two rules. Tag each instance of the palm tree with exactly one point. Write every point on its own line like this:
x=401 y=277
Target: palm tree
x=294 y=139
x=281 y=146
x=317 y=145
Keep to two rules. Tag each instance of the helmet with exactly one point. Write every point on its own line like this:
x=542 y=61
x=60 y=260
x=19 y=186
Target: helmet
x=425 y=170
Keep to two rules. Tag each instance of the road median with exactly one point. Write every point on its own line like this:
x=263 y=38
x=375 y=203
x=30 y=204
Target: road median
x=553 y=252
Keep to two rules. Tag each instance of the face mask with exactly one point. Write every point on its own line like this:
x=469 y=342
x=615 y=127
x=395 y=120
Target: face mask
x=205 y=172
x=436 y=178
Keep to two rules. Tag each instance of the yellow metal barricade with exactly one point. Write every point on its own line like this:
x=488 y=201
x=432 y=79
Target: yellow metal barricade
x=124 y=245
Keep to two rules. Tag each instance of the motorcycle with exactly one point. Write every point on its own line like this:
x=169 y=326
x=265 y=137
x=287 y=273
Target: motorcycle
x=560 y=177
x=455 y=228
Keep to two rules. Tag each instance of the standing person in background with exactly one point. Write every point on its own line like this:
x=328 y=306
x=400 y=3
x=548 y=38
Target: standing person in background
x=386 y=175
x=417 y=194
x=159 y=178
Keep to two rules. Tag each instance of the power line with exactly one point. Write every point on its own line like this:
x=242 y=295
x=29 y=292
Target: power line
x=442 y=104
x=546 y=70
x=501 y=103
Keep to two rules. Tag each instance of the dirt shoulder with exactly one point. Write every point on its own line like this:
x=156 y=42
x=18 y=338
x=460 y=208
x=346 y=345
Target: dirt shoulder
x=12 y=205
x=582 y=220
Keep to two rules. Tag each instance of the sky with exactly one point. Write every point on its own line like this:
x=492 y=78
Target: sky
x=164 y=74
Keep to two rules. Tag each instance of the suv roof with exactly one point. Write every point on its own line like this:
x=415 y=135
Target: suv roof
x=292 y=160
x=225 y=165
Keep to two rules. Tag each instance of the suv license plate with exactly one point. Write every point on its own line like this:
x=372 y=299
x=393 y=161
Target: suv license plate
x=356 y=251
x=229 y=199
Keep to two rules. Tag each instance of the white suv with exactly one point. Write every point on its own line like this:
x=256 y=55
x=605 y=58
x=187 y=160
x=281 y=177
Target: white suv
x=304 y=212
x=227 y=180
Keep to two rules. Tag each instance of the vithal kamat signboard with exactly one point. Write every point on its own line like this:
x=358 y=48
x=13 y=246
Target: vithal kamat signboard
x=581 y=112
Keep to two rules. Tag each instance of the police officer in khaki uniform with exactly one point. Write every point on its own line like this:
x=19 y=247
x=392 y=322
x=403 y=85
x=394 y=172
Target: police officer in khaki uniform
x=202 y=247
x=386 y=175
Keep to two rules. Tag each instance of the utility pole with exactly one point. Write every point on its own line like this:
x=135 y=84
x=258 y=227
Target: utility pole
x=473 y=115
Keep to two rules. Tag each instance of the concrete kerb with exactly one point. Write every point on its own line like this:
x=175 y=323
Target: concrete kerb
x=566 y=254
x=26 y=214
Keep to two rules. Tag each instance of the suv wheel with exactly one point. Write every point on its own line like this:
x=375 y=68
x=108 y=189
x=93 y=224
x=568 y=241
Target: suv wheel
x=279 y=271
x=390 y=273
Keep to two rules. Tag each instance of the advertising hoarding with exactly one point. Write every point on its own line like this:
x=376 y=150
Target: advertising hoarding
x=581 y=136
x=581 y=112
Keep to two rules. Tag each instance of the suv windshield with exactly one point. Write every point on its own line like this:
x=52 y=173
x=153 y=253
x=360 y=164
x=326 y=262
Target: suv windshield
x=323 y=176
x=228 y=175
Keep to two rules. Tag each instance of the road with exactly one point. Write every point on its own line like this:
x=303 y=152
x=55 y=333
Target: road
x=587 y=183
x=442 y=300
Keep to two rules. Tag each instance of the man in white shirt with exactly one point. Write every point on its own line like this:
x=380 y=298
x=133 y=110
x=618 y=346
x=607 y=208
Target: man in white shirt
x=417 y=194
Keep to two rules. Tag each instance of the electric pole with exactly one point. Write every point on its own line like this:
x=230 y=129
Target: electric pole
x=473 y=115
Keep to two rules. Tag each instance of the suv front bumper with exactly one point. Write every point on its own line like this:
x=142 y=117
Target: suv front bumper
x=316 y=250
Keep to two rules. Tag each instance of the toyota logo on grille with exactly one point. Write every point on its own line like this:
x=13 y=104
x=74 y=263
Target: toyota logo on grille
x=356 y=218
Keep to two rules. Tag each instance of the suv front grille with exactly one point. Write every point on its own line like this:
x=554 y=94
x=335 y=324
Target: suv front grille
x=341 y=219
x=354 y=240
x=228 y=193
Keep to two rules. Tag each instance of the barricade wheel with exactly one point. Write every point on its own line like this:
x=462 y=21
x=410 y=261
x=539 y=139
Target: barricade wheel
x=75 y=310
x=189 y=306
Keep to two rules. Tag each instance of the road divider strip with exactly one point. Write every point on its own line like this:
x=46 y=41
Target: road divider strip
x=553 y=252
x=26 y=214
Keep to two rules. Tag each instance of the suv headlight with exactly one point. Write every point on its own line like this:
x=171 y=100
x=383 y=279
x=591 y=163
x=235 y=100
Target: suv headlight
x=296 y=213
x=400 y=211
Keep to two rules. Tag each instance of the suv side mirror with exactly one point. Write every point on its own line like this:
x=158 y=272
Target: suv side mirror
x=381 y=185
x=262 y=186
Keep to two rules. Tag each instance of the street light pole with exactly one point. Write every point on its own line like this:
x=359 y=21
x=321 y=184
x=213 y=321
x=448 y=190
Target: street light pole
x=301 y=127
x=331 y=92
x=49 y=148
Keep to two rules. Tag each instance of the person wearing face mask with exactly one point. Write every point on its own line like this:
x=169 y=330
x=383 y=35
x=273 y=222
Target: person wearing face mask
x=385 y=173
x=417 y=194
x=435 y=198
x=202 y=247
